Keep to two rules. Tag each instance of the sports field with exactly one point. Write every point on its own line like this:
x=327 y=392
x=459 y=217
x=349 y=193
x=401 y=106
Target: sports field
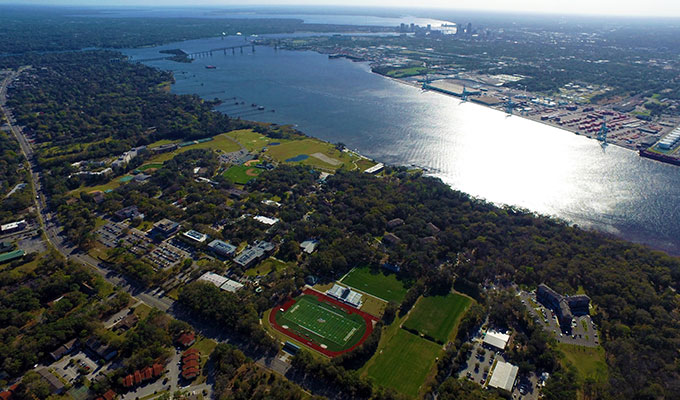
x=437 y=316
x=387 y=287
x=326 y=324
x=242 y=174
x=404 y=363
x=322 y=323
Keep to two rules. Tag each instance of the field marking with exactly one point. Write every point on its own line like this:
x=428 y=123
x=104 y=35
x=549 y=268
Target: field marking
x=340 y=322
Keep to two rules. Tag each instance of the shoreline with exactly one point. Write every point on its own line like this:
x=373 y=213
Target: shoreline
x=634 y=148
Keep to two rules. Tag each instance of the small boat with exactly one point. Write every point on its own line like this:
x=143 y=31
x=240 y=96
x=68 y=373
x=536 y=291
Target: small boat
x=210 y=67
x=260 y=108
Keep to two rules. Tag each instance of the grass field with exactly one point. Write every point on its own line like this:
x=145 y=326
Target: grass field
x=589 y=362
x=322 y=323
x=266 y=266
x=437 y=316
x=149 y=166
x=222 y=142
x=241 y=174
x=387 y=287
x=404 y=363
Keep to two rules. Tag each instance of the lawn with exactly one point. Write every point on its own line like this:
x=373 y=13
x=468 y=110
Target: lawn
x=242 y=174
x=321 y=154
x=149 y=166
x=404 y=363
x=589 y=362
x=266 y=267
x=220 y=142
x=404 y=72
x=437 y=316
x=322 y=323
x=252 y=141
x=386 y=287
x=142 y=310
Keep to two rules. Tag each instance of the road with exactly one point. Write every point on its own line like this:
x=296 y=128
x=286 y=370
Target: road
x=48 y=222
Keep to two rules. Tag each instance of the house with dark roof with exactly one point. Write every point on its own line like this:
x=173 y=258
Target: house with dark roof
x=100 y=349
x=391 y=224
x=391 y=239
x=63 y=349
x=56 y=387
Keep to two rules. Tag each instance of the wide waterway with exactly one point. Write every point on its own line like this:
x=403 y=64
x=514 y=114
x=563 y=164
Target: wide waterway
x=480 y=151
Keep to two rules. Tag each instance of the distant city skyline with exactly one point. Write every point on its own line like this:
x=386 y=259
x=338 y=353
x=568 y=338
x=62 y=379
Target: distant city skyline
x=650 y=8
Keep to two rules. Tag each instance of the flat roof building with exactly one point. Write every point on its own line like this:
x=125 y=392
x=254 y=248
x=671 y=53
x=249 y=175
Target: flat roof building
x=196 y=236
x=254 y=253
x=13 y=226
x=504 y=376
x=496 y=339
x=211 y=277
x=308 y=246
x=266 y=220
x=375 y=169
x=165 y=227
x=222 y=248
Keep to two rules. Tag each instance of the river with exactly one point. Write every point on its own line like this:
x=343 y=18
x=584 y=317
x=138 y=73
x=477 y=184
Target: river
x=475 y=149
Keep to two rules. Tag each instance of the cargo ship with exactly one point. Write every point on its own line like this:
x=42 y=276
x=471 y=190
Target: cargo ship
x=659 y=157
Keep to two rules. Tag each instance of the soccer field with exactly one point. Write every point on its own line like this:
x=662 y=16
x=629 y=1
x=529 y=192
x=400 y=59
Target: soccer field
x=322 y=323
x=386 y=287
x=437 y=316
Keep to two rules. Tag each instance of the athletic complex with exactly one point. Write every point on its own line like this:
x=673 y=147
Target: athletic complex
x=322 y=323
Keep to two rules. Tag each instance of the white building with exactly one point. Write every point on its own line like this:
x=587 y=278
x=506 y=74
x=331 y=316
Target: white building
x=13 y=226
x=266 y=220
x=504 y=376
x=496 y=339
x=196 y=236
x=215 y=279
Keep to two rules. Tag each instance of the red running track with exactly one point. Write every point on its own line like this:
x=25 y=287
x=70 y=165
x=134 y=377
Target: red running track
x=368 y=320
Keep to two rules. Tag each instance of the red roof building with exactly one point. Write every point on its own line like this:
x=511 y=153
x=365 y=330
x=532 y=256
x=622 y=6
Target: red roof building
x=147 y=373
x=190 y=364
x=190 y=357
x=128 y=381
x=186 y=339
x=190 y=373
x=157 y=370
x=191 y=351
x=6 y=395
x=138 y=377
x=109 y=395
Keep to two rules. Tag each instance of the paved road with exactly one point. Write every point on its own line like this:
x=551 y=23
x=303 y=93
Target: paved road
x=49 y=223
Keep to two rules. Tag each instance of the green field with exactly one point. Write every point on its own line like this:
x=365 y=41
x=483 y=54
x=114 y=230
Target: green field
x=387 y=287
x=238 y=174
x=404 y=72
x=404 y=363
x=323 y=323
x=437 y=316
x=589 y=362
x=221 y=142
x=266 y=267
x=149 y=166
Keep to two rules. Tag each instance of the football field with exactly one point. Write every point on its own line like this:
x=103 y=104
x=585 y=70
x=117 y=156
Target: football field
x=325 y=324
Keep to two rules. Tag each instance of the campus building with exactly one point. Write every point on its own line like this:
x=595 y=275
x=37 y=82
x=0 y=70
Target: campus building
x=504 y=376
x=564 y=306
x=165 y=227
x=254 y=254
x=222 y=248
x=495 y=339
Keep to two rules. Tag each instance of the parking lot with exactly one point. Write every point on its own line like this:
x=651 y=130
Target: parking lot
x=583 y=330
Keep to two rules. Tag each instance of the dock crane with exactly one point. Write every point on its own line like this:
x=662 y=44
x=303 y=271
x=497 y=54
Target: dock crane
x=602 y=134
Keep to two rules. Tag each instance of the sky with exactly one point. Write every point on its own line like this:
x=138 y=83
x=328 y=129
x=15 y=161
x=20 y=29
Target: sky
x=663 y=8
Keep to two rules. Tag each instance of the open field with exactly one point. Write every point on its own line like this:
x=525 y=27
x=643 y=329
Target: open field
x=221 y=142
x=589 y=362
x=386 y=287
x=242 y=174
x=404 y=363
x=437 y=316
x=149 y=166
